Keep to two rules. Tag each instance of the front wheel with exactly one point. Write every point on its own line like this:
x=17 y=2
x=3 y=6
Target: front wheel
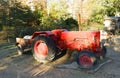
x=86 y=59
x=43 y=49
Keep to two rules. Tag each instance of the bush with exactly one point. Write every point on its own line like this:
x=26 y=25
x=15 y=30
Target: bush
x=71 y=24
x=27 y=31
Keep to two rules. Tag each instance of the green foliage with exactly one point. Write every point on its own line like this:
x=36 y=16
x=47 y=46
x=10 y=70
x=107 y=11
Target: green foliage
x=55 y=17
x=27 y=31
x=111 y=7
x=106 y=7
x=58 y=9
x=19 y=20
x=71 y=24
x=15 y=18
x=97 y=16
x=22 y=18
x=47 y=22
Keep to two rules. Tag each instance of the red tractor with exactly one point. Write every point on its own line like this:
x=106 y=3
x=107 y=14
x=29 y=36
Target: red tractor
x=47 y=44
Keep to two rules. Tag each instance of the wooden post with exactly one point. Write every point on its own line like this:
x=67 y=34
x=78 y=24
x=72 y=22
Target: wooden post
x=79 y=21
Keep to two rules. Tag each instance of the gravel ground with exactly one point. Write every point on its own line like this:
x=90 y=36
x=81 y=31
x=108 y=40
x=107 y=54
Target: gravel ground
x=14 y=66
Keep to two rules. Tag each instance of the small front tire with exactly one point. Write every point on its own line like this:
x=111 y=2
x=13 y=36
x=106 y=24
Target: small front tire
x=86 y=59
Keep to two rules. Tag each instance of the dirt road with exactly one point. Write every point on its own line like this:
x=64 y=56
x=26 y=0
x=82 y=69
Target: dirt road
x=14 y=66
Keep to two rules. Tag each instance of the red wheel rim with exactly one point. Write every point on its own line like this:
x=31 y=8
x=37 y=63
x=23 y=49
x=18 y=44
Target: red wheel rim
x=40 y=49
x=85 y=60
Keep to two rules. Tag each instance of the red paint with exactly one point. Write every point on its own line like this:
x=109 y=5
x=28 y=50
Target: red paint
x=74 y=40
x=41 y=49
x=85 y=60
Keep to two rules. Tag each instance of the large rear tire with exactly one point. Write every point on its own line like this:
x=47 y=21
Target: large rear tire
x=43 y=49
x=86 y=59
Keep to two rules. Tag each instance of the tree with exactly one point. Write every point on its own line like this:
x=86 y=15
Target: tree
x=111 y=7
x=15 y=18
x=105 y=7
x=58 y=8
x=54 y=16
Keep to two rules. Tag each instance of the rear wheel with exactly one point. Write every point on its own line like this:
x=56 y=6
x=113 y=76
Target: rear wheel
x=86 y=59
x=43 y=49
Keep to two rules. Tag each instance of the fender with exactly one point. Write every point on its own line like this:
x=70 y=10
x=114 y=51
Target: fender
x=47 y=33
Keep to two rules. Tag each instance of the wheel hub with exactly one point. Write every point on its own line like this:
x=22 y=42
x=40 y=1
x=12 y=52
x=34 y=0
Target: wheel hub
x=41 y=49
x=85 y=60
